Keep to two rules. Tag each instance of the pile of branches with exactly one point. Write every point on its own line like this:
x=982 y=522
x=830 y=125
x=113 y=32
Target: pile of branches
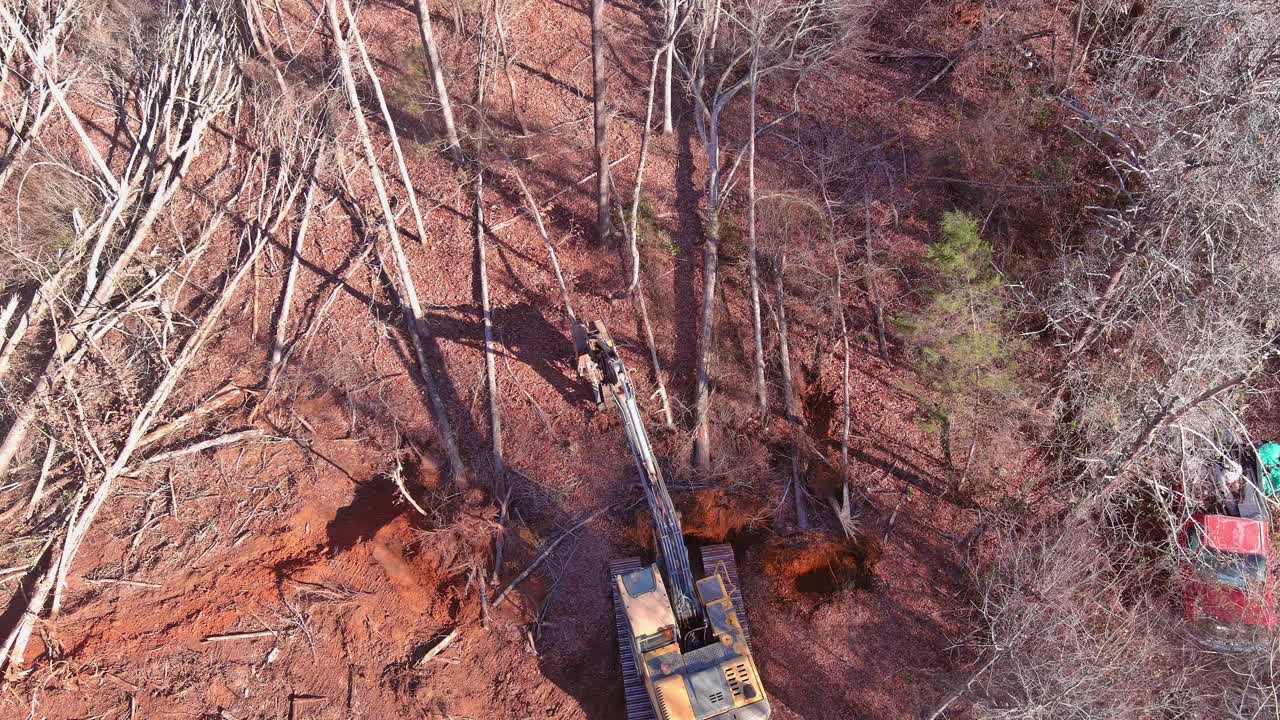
x=114 y=294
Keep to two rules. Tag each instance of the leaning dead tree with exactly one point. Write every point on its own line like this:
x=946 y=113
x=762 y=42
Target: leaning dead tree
x=733 y=46
x=181 y=82
x=1166 y=310
x=403 y=169
x=411 y=306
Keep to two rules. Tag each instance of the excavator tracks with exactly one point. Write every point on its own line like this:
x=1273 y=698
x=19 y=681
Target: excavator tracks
x=638 y=706
x=715 y=559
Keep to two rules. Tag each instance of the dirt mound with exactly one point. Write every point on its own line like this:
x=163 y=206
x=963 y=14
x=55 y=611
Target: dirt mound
x=819 y=563
x=708 y=515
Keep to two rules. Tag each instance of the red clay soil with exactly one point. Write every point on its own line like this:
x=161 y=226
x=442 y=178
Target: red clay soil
x=337 y=587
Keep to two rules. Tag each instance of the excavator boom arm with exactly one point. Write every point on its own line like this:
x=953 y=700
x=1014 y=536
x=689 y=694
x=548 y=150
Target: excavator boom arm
x=600 y=364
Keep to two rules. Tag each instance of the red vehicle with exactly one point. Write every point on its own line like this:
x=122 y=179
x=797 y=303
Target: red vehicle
x=1227 y=594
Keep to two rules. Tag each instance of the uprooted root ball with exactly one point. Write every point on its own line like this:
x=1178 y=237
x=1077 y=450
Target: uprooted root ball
x=819 y=563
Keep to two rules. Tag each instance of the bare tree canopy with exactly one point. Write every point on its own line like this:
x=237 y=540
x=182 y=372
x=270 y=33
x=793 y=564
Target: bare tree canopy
x=732 y=46
x=1166 y=312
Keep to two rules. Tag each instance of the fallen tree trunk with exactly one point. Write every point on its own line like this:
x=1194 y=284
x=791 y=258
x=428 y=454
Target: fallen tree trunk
x=546 y=240
x=491 y=375
x=412 y=308
x=276 y=363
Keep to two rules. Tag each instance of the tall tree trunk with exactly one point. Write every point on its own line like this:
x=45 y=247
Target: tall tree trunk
x=437 y=79
x=668 y=58
x=702 y=396
x=845 y=510
x=873 y=284
x=506 y=66
x=788 y=392
x=491 y=374
x=601 y=121
x=762 y=391
x=495 y=415
x=710 y=267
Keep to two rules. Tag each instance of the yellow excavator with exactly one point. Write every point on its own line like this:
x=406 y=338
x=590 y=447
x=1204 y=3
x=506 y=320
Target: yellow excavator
x=684 y=644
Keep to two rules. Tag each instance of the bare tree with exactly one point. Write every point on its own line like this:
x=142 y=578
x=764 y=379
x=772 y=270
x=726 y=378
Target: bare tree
x=671 y=20
x=490 y=351
x=1052 y=641
x=536 y=213
x=779 y=310
x=410 y=192
x=869 y=276
x=631 y=227
x=790 y=232
x=279 y=346
x=601 y=115
x=845 y=509
x=38 y=57
x=32 y=102
x=1166 y=310
x=753 y=264
x=482 y=263
x=731 y=46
